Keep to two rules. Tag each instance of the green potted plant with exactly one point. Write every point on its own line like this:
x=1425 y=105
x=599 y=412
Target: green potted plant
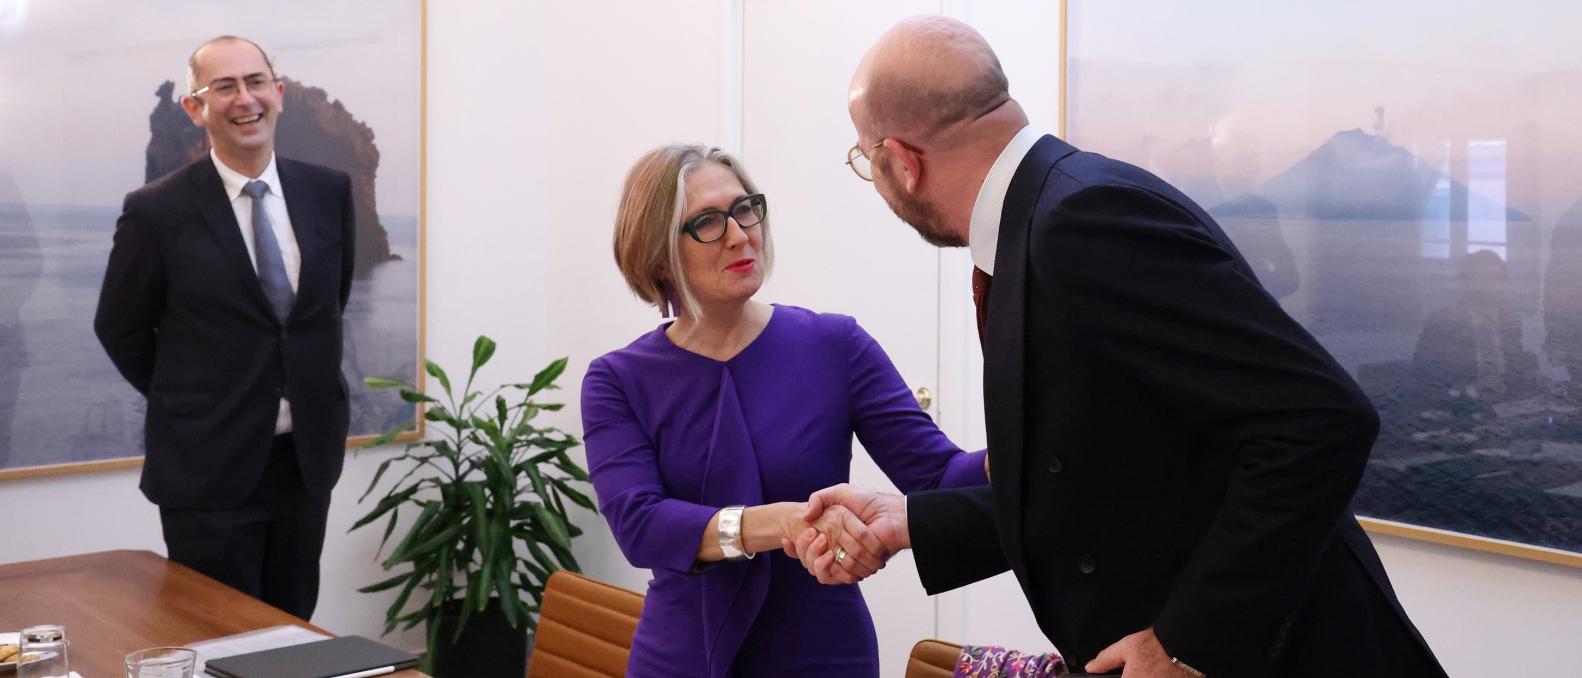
x=489 y=490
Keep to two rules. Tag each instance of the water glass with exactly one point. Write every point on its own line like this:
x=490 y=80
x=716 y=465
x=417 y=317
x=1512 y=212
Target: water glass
x=161 y=662
x=43 y=652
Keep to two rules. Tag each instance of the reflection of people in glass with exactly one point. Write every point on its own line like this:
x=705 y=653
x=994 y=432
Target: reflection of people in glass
x=1563 y=294
x=1252 y=220
x=1474 y=348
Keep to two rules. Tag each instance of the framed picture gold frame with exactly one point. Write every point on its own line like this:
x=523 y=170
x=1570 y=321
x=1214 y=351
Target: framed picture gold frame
x=355 y=75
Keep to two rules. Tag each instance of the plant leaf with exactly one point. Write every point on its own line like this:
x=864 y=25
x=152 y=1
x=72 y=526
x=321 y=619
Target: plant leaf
x=394 y=611
x=420 y=527
x=383 y=466
x=381 y=383
x=413 y=396
x=542 y=457
x=549 y=565
x=573 y=470
x=386 y=584
x=437 y=372
x=389 y=435
x=389 y=528
x=480 y=527
x=547 y=376
x=482 y=351
x=567 y=561
x=437 y=541
x=509 y=600
x=385 y=505
x=555 y=525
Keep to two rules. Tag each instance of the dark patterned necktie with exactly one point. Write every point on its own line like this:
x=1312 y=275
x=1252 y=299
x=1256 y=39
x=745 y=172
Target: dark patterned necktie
x=266 y=254
x=980 y=300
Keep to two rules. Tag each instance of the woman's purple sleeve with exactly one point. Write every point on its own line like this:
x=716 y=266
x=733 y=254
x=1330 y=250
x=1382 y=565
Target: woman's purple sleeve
x=899 y=435
x=652 y=529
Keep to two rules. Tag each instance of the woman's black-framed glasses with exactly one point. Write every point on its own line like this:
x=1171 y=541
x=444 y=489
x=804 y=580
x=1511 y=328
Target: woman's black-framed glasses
x=748 y=211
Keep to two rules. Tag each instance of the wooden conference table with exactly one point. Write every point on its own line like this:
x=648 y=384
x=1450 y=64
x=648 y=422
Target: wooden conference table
x=115 y=602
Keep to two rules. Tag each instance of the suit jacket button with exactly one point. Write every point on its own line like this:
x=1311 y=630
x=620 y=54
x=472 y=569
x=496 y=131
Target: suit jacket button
x=1087 y=565
x=1055 y=465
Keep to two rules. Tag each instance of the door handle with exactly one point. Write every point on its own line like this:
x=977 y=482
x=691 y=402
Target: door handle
x=925 y=397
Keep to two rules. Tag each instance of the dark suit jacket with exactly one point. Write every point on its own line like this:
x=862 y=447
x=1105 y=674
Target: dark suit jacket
x=185 y=320
x=1169 y=448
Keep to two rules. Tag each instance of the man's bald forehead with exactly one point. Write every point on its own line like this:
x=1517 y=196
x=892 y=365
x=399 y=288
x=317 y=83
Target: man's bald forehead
x=192 y=59
x=925 y=73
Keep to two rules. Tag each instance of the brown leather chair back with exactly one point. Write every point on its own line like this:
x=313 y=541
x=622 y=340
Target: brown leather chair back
x=584 y=628
x=933 y=659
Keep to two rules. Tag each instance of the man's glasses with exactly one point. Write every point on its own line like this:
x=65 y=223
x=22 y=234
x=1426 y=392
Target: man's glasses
x=748 y=211
x=857 y=157
x=226 y=89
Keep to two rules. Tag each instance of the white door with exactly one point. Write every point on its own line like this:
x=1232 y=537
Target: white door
x=839 y=249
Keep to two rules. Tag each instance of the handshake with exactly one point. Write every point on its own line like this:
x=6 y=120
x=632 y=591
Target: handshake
x=850 y=533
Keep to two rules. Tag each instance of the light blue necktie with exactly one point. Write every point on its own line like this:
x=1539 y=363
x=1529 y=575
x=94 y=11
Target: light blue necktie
x=266 y=253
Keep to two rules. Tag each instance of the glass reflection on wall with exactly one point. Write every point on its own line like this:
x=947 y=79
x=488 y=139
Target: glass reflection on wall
x=1411 y=192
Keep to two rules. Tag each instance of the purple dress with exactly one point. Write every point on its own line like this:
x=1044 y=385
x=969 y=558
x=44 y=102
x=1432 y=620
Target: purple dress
x=673 y=436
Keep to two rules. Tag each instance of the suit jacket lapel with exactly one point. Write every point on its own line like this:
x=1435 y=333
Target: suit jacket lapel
x=1003 y=363
x=221 y=219
x=300 y=206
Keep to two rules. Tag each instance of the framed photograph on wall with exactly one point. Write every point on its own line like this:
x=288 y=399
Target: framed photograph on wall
x=91 y=111
x=1404 y=180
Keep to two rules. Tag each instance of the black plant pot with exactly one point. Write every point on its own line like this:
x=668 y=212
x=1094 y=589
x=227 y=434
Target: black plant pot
x=488 y=646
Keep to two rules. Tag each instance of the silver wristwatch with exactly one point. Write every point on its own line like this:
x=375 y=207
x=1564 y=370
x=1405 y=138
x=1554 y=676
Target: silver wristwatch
x=730 y=533
x=1183 y=666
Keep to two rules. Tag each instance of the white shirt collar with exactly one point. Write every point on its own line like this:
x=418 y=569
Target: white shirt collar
x=983 y=232
x=234 y=180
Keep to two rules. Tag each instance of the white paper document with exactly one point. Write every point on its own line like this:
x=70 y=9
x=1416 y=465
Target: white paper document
x=252 y=641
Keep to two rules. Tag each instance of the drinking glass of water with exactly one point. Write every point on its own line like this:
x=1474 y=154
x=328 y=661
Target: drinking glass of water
x=161 y=662
x=43 y=652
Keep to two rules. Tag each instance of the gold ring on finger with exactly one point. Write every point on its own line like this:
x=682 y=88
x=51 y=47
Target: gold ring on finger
x=840 y=554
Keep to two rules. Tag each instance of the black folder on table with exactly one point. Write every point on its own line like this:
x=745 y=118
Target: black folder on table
x=333 y=658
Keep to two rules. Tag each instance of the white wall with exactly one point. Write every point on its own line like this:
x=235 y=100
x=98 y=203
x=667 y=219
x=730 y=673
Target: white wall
x=536 y=111
x=1486 y=614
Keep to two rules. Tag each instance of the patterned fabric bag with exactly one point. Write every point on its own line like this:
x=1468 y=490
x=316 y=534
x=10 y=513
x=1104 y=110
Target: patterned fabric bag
x=989 y=661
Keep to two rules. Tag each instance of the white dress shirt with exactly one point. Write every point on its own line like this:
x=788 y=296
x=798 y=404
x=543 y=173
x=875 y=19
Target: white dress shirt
x=280 y=220
x=983 y=232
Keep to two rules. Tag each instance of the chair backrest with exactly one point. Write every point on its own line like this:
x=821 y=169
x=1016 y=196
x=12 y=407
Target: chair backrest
x=933 y=659
x=584 y=628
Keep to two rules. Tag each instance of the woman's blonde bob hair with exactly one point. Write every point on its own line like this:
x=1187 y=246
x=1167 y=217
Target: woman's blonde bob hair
x=648 y=224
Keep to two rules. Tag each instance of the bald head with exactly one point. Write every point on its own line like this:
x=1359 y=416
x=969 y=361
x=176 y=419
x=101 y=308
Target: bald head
x=924 y=77
x=194 y=70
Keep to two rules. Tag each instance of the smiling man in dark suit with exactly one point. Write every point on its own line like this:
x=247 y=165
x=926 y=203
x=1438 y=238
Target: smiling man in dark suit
x=222 y=304
x=1172 y=455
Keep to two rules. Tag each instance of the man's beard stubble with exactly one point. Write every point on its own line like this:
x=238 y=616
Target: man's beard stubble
x=926 y=220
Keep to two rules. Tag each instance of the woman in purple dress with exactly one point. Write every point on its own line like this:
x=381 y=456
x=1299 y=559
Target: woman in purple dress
x=706 y=435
